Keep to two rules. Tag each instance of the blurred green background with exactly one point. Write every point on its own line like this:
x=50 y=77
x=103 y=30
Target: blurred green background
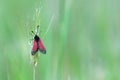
x=83 y=42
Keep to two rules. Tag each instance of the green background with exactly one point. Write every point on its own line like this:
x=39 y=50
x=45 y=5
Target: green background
x=82 y=43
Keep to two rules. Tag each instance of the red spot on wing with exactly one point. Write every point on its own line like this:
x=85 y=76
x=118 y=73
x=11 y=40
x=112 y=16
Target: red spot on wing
x=41 y=46
x=34 y=48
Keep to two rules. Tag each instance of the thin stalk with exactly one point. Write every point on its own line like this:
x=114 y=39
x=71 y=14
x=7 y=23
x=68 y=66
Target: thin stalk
x=34 y=65
x=49 y=25
x=34 y=72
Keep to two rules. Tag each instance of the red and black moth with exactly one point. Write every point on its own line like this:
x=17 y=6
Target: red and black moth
x=37 y=44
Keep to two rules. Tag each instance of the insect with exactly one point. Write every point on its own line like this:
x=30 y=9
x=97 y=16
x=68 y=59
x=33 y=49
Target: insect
x=37 y=44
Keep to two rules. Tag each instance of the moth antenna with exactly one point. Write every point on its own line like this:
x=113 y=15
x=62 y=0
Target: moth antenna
x=49 y=25
x=37 y=29
x=33 y=33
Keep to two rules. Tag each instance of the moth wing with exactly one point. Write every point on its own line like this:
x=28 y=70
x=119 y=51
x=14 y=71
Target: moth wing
x=34 y=48
x=41 y=47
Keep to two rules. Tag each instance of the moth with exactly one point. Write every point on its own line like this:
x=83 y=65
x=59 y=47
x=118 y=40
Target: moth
x=37 y=44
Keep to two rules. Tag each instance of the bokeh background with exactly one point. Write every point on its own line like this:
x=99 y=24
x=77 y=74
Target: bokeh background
x=82 y=43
